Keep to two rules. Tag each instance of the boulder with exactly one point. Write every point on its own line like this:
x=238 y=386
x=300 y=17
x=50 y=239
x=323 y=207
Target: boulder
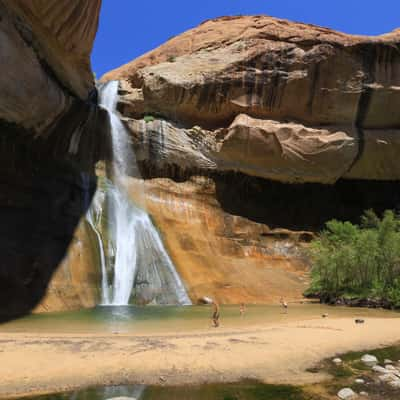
x=286 y=152
x=379 y=369
x=395 y=383
x=388 y=377
x=369 y=360
x=347 y=394
x=205 y=300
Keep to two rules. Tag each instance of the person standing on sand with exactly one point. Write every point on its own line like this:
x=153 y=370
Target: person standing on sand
x=215 y=314
x=242 y=309
x=284 y=305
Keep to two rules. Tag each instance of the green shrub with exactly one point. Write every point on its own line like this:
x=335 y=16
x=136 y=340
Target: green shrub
x=148 y=118
x=358 y=261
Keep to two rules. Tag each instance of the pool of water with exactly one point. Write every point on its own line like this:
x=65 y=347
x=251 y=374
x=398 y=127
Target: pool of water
x=170 y=319
x=239 y=391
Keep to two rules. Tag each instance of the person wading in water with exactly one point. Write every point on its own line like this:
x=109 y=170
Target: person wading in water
x=284 y=305
x=242 y=309
x=215 y=314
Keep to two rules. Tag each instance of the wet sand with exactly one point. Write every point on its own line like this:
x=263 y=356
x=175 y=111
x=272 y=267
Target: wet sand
x=273 y=352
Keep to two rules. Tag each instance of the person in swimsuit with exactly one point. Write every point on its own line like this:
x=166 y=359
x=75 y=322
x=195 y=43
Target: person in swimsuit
x=215 y=314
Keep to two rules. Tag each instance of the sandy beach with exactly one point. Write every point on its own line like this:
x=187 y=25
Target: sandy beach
x=272 y=353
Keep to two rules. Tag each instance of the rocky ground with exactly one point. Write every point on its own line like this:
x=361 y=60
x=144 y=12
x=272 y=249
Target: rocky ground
x=360 y=375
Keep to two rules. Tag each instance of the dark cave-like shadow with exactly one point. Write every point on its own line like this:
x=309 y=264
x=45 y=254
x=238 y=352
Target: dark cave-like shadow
x=303 y=206
x=46 y=188
x=298 y=207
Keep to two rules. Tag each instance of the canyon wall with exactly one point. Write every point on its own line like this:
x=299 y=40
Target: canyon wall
x=51 y=134
x=251 y=133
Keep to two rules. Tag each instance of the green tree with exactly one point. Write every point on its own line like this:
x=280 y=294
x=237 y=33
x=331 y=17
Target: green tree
x=358 y=261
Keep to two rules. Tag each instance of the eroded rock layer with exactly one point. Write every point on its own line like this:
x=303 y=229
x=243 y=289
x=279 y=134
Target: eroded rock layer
x=282 y=100
x=252 y=133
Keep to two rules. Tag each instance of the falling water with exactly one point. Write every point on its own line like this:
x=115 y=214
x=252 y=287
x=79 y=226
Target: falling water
x=140 y=263
x=93 y=217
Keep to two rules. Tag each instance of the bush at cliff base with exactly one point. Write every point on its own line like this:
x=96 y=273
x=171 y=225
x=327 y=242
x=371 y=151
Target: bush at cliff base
x=358 y=261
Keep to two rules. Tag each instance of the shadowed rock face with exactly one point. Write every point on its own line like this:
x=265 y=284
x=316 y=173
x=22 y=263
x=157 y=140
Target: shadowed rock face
x=51 y=135
x=319 y=104
x=267 y=129
x=62 y=33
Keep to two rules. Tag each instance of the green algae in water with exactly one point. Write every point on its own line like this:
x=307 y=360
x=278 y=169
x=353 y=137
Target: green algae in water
x=392 y=352
x=239 y=391
x=232 y=391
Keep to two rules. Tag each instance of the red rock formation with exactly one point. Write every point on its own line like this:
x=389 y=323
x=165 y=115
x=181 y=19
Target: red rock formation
x=226 y=257
x=280 y=71
x=268 y=112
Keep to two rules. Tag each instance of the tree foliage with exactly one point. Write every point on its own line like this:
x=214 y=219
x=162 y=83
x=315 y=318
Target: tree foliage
x=358 y=260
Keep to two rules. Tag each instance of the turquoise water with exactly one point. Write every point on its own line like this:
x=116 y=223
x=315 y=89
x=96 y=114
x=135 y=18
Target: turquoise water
x=174 y=319
x=154 y=319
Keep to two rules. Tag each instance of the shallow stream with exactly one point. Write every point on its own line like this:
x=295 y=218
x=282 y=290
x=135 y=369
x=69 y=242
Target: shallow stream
x=174 y=319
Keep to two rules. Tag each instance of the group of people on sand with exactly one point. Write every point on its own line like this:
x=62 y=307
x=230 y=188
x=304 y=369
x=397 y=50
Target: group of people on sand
x=242 y=310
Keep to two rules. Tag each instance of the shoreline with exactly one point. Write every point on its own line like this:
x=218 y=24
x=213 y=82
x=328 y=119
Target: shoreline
x=277 y=353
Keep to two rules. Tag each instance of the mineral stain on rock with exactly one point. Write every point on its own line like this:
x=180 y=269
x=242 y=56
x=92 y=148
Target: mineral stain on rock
x=277 y=127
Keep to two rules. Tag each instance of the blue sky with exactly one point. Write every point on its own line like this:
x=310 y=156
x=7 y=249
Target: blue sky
x=129 y=28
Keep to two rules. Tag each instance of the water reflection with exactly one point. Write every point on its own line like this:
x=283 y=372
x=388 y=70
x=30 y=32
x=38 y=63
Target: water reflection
x=248 y=390
x=133 y=392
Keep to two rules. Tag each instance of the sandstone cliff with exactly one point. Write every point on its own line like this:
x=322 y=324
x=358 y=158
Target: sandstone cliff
x=51 y=134
x=280 y=100
x=251 y=133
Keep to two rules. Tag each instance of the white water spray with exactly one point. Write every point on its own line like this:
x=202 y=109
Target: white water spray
x=93 y=217
x=140 y=263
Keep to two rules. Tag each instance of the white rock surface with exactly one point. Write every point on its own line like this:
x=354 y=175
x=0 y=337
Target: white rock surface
x=337 y=361
x=347 y=394
x=387 y=361
x=381 y=370
x=364 y=394
x=369 y=360
x=387 y=377
x=122 y=398
x=206 y=300
x=395 y=383
x=359 y=381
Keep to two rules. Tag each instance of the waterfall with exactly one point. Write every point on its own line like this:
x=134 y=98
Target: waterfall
x=93 y=217
x=141 y=266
